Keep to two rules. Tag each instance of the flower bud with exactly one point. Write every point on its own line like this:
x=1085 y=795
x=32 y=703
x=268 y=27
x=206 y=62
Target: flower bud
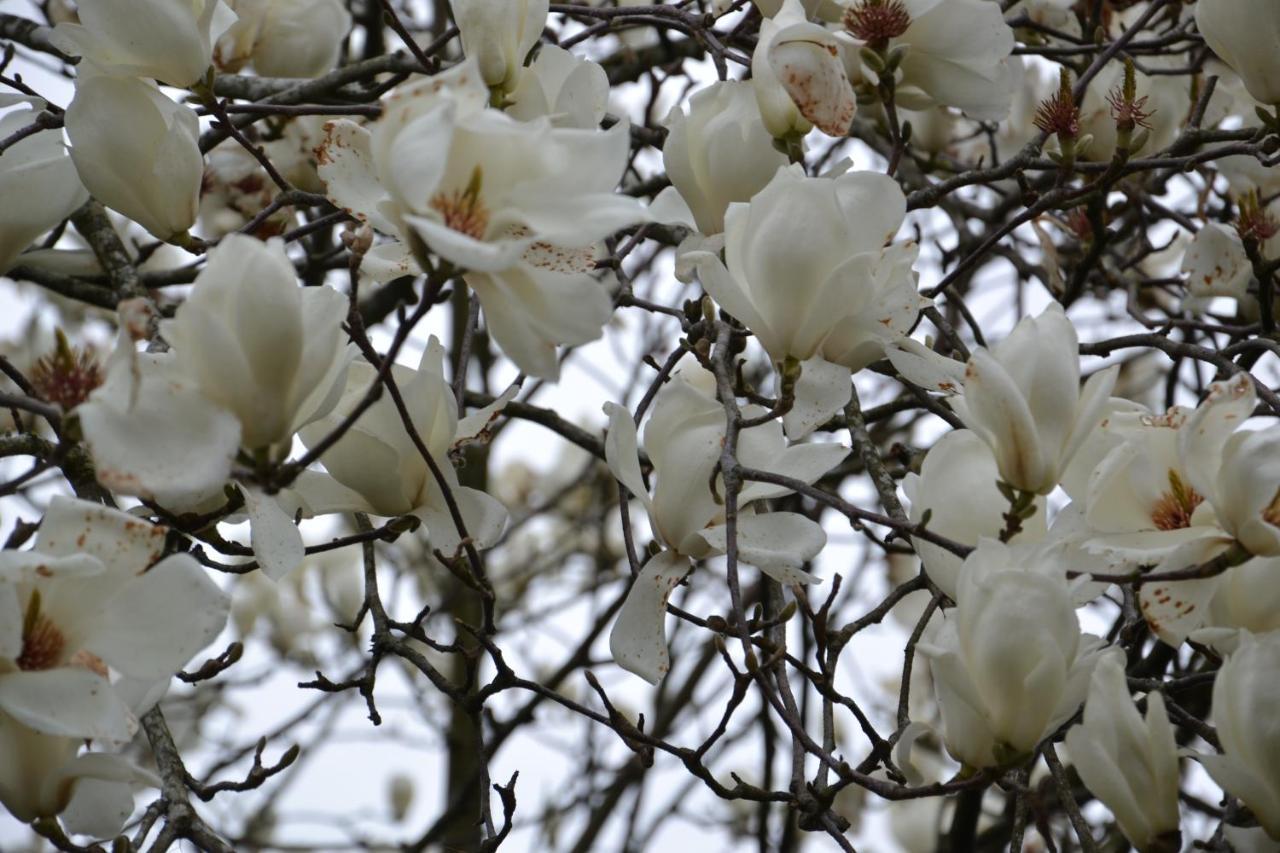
x=1129 y=762
x=137 y=152
x=498 y=35
x=168 y=40
x=1245 y=695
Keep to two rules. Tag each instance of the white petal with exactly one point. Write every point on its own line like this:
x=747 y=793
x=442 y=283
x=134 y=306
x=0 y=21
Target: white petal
x=344 y=161
x=68 y=702
x=638 y=640
x=159 y=620
x=822 y=390
x=775 y=542
x=73 y=527
x=622 y=451
x=277 y=544
x=921 y=366
x=1174 y=609
x=171 y=444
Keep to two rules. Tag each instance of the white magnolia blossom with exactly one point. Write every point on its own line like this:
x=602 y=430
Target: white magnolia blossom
x=1140 y=500
x=799 y=77
x=1244 y=33
x=38 y=171
x=1128 y=761
x=1022 y=396
x=258 y=345
x=517 y=205
x=716 y=154
x=497 y=35
x=137 y=152
x=957 y=54
x=567 y=89
x=683 y=439
x=1009 y=663
x=957 y=487
x=807 y=270
x=42 y=776
x=89 y=595
x=255 y=357
x=1245 y=694
x=284 y=38
x=377 y=468
x=1236 y=471
x=170 y=41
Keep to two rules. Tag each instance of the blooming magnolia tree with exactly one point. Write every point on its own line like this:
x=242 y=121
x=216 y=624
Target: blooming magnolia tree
x=613 y=426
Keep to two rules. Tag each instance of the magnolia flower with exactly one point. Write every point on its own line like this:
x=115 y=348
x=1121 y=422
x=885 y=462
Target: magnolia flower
x=285 y=38
x=683 y=439
x=38 y=171
x=955 y=52
x=1022 y=397
x=957 y=487
x=719 y=153
x=258 y=345
x=517 y=205
x=807 y=271
x=87 y=596
x=1129 y=762
x=379 y=469
x=567 y=89
x=799 y=78
x=497 y=35
x=1244 y=33
x=1245 y=694
x=254 y=358
x=42 y=776
x=1010 y=665
x=137 y=152
x=1140 y=500
x=1236 y=471
x=168 y=40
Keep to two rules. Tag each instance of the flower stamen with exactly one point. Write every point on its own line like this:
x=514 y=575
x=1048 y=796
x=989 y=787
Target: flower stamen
x=463 y=210
x=1174 y=509
x=42 y=641
x=876 y=22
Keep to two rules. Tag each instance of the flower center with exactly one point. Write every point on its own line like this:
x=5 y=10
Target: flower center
x=463 y=210
x=877 y=21
x=67 y=375
x=42 y=641
x=1174 y=509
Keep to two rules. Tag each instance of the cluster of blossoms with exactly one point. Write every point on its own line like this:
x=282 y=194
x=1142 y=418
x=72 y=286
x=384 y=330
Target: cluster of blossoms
x=304 y=186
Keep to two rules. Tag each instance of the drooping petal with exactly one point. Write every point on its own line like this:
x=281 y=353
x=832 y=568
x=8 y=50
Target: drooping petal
x=638 y=641
x=622 y=452
x=277 y=543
